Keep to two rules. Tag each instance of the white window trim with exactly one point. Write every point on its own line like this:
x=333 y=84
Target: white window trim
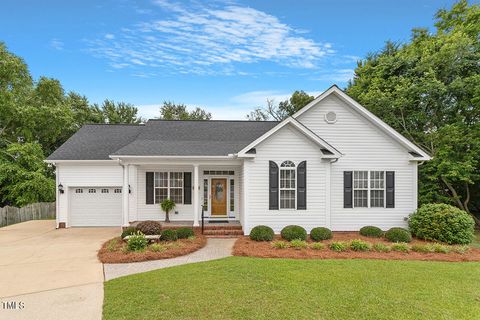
x=168 y=186
x=369 y=189
x=287 y=189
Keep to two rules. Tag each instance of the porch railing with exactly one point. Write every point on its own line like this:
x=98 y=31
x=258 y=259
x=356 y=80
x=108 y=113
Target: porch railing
x=203 y=218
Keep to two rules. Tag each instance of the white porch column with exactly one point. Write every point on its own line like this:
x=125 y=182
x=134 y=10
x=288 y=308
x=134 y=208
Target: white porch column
x=125 y=195
x=328 y=186
x=196 y=203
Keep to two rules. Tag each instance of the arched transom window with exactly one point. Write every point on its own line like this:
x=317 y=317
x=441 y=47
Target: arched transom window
x=287 y=185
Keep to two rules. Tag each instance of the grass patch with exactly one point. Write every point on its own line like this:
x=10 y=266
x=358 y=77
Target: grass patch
x=254 y=288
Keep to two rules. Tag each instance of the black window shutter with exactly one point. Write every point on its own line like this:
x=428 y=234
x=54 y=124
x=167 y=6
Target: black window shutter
x=149 y=187
x=390 y=184
x=187 y=188
x=273 y=185
x=347 y=189
x=302 y=186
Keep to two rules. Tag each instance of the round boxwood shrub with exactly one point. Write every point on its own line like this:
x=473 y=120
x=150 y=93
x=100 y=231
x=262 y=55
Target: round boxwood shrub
x=293 y=232
x=442 y=222
x=184 y=233
x=371 y=231
x=320 y=233
x=149 y=227
x=169 y=235
x=262 y=233
x=398 y=235
x=128 y=231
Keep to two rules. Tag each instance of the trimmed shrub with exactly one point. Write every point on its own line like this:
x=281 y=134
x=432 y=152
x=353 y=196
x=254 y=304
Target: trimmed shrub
x=157 y=247
x=185 y=233
x=338 y=246
x=128 y=231
x=440 y=248
x=423 y=248
x=401 y=246
x=149 y=227
x=371 y=231
x=320 y=233
x=317 y=246
x=293 y=232
x=442 y=222
x=169 y=235
x=137 y=242
x=298 y=244
x=280 y=244
x=461 y=249
x=398 y=235
x=359 y=245
x=380 y=247
x=262 y=233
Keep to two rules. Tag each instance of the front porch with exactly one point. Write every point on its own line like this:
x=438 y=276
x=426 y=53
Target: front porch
x=208 y=191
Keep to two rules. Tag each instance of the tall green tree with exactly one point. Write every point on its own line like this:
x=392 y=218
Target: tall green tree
x=172 y=111
x=429 y=90
x=36 y=117
x=282 y=110
x=119 y=112
x=24 y=177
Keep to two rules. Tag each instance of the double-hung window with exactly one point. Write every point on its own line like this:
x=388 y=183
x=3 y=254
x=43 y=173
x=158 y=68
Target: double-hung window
x=369 y=189
x=168 y=185
x=287 y=185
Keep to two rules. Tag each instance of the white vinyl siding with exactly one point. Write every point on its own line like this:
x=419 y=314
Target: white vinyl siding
x=84 y=176
x=364 y=148
x=286 y=144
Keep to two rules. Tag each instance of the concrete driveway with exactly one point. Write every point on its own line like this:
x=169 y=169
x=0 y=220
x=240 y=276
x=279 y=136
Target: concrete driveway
x=49 y=273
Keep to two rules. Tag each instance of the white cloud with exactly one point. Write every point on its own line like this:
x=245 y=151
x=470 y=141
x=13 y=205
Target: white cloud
x=336 y=75
x=56 y=44
x=210 y=39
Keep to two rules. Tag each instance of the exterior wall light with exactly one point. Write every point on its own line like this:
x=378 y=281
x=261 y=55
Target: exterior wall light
x=60 y=188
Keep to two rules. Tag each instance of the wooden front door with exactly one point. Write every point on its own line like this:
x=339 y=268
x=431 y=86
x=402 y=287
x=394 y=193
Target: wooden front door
x=219 y=197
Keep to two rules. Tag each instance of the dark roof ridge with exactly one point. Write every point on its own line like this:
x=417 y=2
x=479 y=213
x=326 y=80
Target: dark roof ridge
x=219 y=120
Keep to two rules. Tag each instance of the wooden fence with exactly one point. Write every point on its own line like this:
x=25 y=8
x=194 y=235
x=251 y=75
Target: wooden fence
x=34 y=211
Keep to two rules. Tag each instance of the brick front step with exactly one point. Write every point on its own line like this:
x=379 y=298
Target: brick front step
x=223 y=232
x=226 y=227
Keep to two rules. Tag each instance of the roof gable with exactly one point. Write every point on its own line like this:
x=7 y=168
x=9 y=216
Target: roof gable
x=362 y=111
x=327 y=150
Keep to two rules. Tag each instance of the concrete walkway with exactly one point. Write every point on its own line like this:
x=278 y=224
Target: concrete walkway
x=54 y=274
x=215 y=249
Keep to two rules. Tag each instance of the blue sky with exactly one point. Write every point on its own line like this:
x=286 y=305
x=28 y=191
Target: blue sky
x=225 y=56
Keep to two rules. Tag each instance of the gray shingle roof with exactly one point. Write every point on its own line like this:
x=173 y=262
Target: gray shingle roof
x=161 y=138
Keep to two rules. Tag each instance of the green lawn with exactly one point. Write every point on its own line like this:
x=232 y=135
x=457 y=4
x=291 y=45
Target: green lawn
x=252 y=288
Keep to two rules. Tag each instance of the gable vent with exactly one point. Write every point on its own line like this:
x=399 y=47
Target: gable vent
x=331 y=117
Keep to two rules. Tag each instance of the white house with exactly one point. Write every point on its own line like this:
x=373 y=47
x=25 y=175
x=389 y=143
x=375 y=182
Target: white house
x=331 y=164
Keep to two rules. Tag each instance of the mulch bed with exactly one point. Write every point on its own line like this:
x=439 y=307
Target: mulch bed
x=249 y=248
x=174 y=249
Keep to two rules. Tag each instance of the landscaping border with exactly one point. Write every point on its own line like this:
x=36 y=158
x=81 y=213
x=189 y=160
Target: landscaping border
x=264 y=249
x=176 y=248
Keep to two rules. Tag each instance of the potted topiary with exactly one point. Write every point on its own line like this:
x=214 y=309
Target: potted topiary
x=167 y=205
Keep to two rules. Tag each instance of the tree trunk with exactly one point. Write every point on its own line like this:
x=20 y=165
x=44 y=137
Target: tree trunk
x=167 y=218
x=463 y=206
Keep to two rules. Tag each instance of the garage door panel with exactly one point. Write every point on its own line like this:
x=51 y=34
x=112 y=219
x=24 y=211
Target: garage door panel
x=92 y=206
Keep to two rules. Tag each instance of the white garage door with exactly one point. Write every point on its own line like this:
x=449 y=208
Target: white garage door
x=94 y=206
